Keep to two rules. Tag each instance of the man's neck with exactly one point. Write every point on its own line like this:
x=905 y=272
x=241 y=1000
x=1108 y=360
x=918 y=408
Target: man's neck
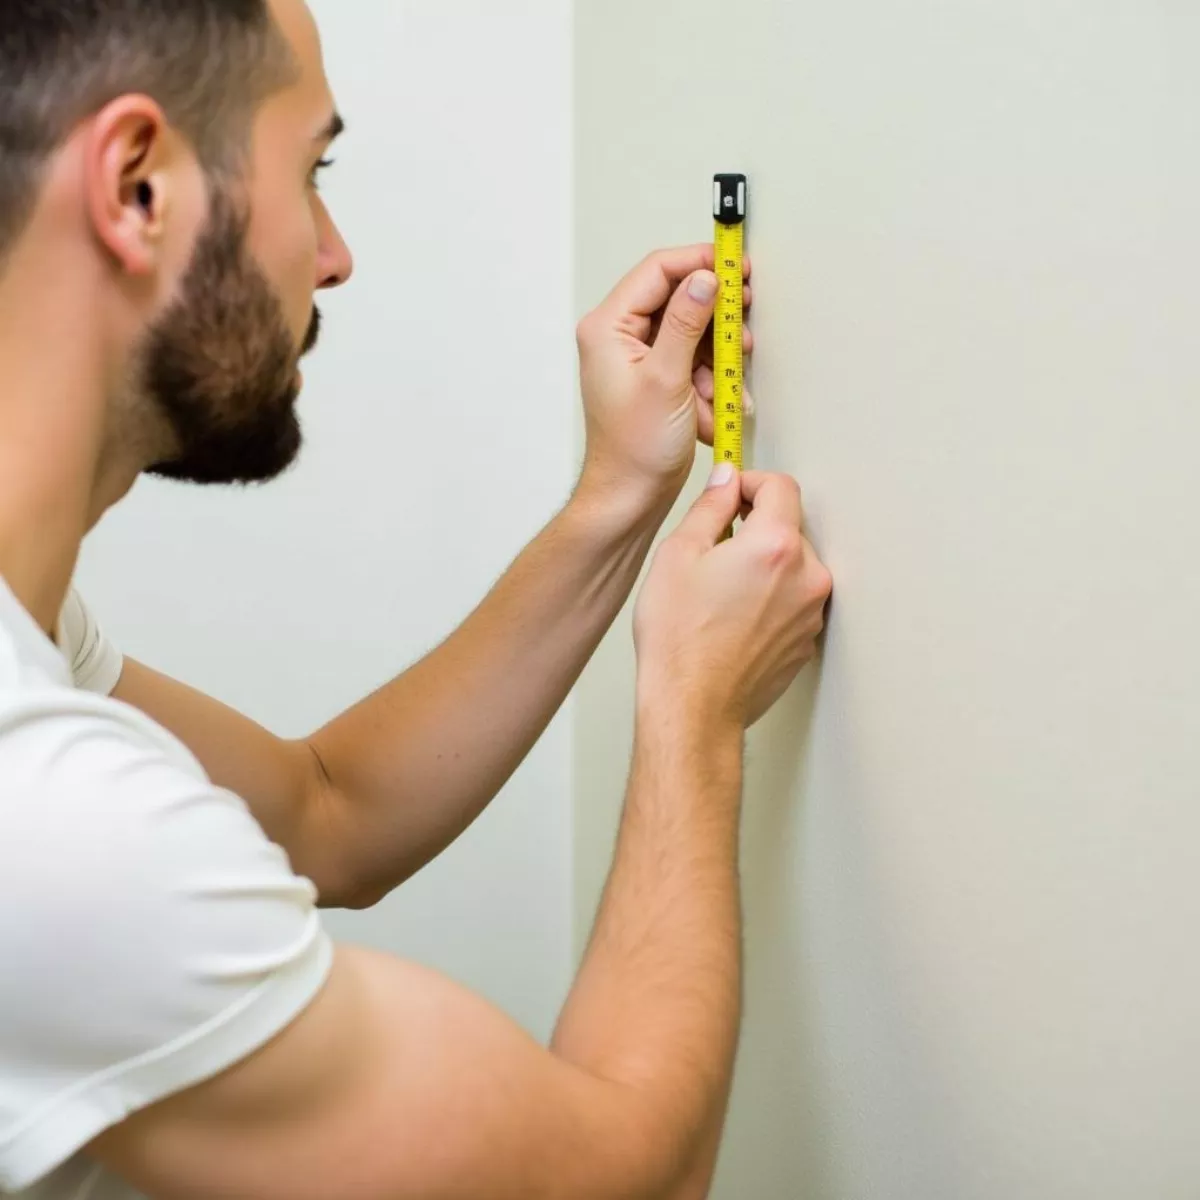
x=57 y=473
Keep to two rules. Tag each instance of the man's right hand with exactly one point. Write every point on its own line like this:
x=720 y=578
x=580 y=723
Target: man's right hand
x=730 y=624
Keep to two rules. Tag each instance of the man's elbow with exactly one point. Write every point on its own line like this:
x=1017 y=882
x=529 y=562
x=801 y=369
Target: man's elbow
x=351 y=898
x=654 y=1152
x=321 y=845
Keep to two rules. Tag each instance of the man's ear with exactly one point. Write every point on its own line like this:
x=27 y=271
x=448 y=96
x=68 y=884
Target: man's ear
x=130 y=168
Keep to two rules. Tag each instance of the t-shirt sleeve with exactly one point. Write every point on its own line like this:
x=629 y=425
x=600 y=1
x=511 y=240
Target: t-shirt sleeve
x=95 y=659
x=151 y=936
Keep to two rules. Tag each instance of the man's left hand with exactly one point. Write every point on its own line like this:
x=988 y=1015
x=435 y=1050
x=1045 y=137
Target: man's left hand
x=646 y=369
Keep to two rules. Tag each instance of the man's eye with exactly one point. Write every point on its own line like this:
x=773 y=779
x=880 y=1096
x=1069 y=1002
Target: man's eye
x=323 y=165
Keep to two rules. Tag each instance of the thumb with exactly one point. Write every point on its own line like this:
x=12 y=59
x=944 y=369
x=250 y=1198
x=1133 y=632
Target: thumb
x=683 y=325
x=714 y=512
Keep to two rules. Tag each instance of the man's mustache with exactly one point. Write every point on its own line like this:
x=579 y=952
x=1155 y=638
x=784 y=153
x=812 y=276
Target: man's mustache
x=314 y=332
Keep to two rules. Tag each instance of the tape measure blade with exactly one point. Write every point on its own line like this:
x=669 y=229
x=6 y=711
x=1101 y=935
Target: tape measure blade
x=728 y=357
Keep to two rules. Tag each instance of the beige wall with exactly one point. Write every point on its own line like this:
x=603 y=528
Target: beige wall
x=972 y=854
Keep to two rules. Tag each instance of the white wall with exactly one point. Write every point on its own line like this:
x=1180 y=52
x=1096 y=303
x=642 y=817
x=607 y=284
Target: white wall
x=415 y=490
x=971 y=843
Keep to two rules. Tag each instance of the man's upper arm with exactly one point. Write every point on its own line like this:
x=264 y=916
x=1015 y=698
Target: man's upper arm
x=394 y=1083
x=150 y=934
x=279 y=780
x=356 y=835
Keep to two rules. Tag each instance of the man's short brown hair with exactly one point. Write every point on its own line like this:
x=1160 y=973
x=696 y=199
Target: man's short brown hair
x=208 y=63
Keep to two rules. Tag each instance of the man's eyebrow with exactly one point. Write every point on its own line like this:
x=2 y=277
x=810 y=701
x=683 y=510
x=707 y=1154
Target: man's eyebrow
x=333 y=129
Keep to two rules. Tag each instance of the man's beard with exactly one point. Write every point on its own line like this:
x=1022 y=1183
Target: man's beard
x=221 y=366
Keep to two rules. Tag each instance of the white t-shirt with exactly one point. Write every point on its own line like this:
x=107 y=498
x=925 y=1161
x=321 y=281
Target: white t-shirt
x=151 y=936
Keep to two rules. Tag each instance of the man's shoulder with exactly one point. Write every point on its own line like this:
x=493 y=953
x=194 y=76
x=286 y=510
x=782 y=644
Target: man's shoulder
x=55 y=736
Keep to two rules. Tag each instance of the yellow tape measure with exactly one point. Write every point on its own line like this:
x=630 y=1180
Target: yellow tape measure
x=729 y=209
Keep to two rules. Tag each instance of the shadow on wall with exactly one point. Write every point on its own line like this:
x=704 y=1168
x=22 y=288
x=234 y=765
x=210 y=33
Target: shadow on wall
x=779 y=1056
x=822 y=931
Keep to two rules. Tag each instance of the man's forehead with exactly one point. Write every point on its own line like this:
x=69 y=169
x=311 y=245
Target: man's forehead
x=296 y=20
x=307 y=99
x=299 y=29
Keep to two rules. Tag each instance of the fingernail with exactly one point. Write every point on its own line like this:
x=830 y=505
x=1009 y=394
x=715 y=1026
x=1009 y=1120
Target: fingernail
x=703 y=287
x=722 y=474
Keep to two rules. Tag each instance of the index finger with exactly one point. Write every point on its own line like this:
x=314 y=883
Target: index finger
x=774 y=496
x=654 y=280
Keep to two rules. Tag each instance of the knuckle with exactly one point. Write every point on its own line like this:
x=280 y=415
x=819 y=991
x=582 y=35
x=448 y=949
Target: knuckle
x=821 y=579
x=685 y=322
x=816 y=624
x=814 y=574
x=783 y=546
x=790 y=485
x=666 y=256
x=653 y=261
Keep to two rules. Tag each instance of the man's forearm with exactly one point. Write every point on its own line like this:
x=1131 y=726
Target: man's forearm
x=656 y=1006
x=411 y=767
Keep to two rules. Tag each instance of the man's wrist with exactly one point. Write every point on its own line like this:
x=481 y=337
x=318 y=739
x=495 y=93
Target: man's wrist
x=695 y=752
x=678 y=712
x=625 y=500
